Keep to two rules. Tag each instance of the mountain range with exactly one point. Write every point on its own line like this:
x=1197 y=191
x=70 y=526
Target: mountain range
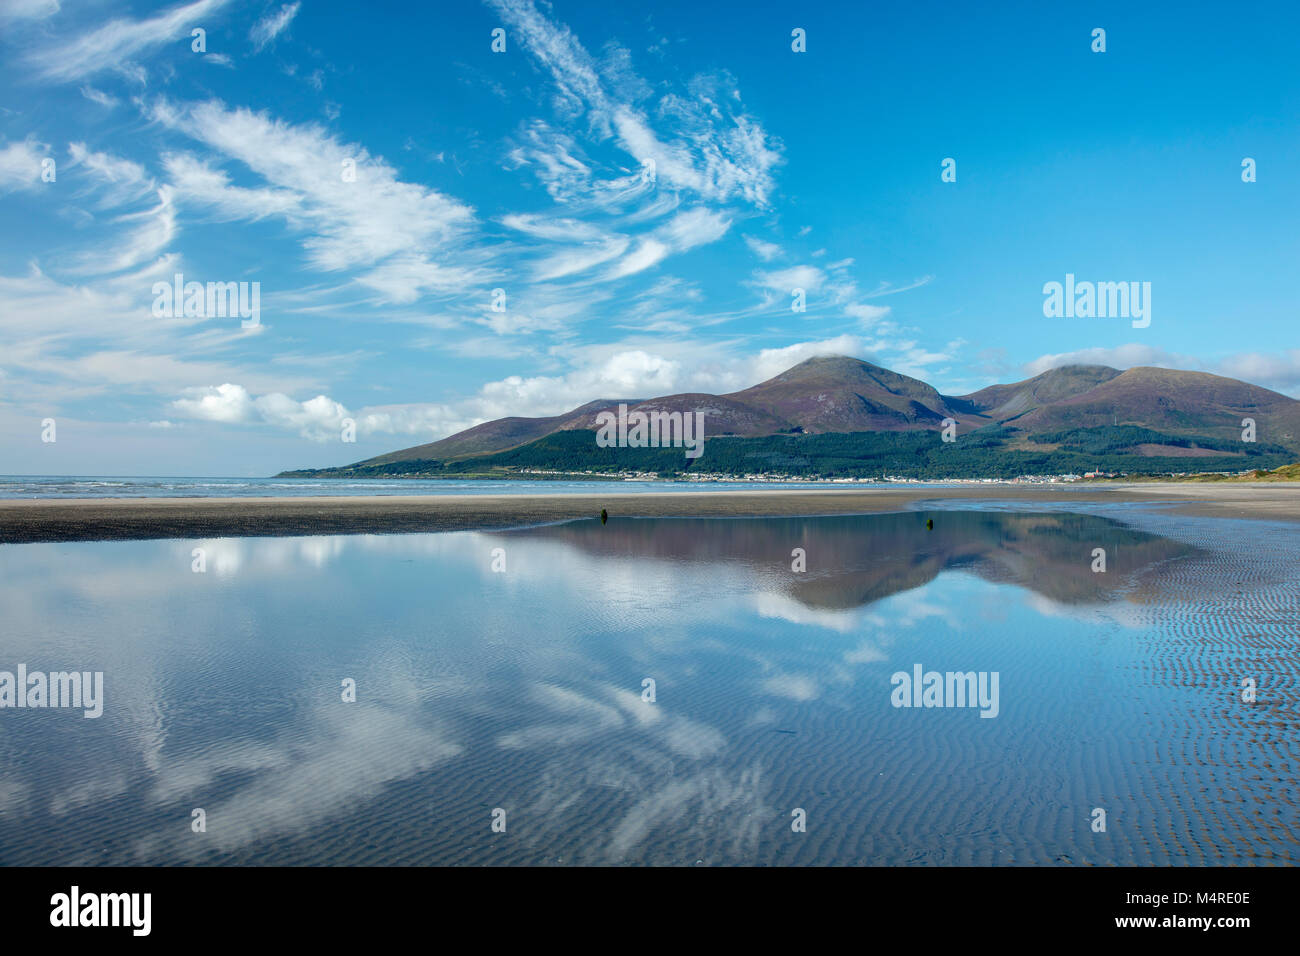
x=836 y=415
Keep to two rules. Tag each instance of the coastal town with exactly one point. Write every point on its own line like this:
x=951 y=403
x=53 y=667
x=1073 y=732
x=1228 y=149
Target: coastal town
x=776 y=477
x=805 y=479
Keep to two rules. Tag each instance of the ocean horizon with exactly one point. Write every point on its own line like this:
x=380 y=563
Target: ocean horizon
x=144 y=486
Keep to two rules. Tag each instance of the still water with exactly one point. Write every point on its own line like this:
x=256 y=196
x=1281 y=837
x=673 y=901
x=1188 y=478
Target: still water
x=506 y=677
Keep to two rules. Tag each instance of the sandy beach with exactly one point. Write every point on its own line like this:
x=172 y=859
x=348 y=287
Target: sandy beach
x=93 y=519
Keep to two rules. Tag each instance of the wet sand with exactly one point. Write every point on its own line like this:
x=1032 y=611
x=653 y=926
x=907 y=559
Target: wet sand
x=95 y=519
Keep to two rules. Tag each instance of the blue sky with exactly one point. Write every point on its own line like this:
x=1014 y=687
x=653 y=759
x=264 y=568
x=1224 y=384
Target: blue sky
x=523 y=171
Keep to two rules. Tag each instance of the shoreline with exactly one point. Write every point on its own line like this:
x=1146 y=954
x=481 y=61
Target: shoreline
x=26 y=520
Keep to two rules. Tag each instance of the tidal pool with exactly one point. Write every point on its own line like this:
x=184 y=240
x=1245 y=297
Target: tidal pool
x=506 y=678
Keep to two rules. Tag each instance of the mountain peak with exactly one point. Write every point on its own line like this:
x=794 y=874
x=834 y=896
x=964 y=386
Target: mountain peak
x=821 y=367
x=1007 y=402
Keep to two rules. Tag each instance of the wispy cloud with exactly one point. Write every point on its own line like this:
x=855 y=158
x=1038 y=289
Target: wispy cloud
x=20 y=164
x=28 y=9
x=117 y=180
x=150 y=232
x=767 y=251
x=99 y=96
x=714 y=151
x=352 y=208
x=117 y=42
x=272 y=25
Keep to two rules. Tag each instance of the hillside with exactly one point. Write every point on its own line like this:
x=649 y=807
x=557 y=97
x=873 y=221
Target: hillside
x=492 y=436
x=1176 y=402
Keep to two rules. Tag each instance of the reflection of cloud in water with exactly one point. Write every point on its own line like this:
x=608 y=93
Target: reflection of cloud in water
x=922 y=603
x=13 y=796
x=709 y=801
x=865 y=653
x=87 y=793
x=1121 y=614
x=662 y=811
x=773 y=604
x=296 y=781
x=227 y=557
x=796 y=687
x=583 y=717
x=640 y=751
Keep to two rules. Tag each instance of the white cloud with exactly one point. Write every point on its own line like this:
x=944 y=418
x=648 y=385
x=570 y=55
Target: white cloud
x=827 y=288
x=151 y=231
x=196 y=182
x=554 y=228
x=867 y=314
x=28 y=9
x=767 y=251
x=808 y=278
x=695 y=227
x=224 y=403
x=397 y=228
x=115 y=43
x=99 y=96
x=887 y=288
x=403 y=279
x=553 y=157
x=100 y=338
x=121 y=181
x=319 y=418
x=20 y=165
x=1279 y=370
x=576 y=259
x=1122 y=356
x=771 y=362
x=272 y=25
x=714 y=152
x=649 y=252
x=686 y=230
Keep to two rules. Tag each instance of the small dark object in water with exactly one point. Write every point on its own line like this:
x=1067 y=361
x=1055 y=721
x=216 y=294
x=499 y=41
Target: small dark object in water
x=929 y=524
x=785 y=731
x=604 y=515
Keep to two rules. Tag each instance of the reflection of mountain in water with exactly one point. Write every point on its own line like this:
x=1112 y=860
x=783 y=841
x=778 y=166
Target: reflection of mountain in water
x=855 y=560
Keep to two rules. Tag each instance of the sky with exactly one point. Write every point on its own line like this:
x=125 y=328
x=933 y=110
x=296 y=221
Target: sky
x=615 y=202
